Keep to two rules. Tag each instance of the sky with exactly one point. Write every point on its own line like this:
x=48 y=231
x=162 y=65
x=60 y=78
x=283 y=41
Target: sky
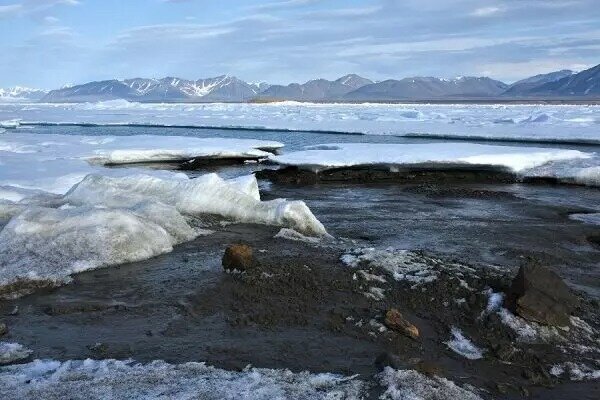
x=51 y=43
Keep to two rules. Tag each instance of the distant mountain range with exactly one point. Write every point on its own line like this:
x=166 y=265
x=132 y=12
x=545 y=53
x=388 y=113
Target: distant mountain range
x=19 y=92
x=563 y=84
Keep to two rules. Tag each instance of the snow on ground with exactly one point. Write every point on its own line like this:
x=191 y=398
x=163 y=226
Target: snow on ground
x=576 y=371
x=13 y=352
x=462 y=345
x=101 y=379
x=573 y=123
x=70 y=213
x=403 y=265
x=572 y=165
x=409 y=384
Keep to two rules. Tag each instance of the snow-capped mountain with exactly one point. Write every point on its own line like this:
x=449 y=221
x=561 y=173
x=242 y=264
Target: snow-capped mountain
x=21 y=93
x=222 y=88
x=429 y=88
x=225 y=88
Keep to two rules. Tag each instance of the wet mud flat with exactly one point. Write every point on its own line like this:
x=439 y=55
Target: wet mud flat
x=302 y=307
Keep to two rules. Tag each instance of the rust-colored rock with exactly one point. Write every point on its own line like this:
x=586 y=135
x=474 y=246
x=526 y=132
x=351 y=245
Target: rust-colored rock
x=239 y=257
x=396 y=322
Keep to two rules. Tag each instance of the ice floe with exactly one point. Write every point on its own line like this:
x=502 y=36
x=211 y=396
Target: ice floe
x=568 y=165
x=535 y=122
x=101 y=379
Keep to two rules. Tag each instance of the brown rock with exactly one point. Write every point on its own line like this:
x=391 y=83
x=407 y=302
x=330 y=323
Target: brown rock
x=3 y=329
x=239 y=257
x=396 y=322
x=538 y=294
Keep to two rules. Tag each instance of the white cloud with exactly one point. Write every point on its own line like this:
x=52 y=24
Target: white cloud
x=486 y=11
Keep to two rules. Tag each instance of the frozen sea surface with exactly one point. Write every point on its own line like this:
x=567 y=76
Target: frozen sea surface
x=546 y=123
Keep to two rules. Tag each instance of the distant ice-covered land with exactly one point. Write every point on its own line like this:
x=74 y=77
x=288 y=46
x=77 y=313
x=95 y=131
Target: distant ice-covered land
x=545 y=123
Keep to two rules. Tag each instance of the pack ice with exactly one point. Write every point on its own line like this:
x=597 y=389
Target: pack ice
x=112 y=216
x=521 y=122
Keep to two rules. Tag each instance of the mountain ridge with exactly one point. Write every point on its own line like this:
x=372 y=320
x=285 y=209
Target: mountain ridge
x=563 y=84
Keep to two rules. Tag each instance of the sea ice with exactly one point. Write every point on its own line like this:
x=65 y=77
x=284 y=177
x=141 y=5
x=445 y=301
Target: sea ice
x=54 y=163
x=106 y=221
x=534 y=122
x=515 y=159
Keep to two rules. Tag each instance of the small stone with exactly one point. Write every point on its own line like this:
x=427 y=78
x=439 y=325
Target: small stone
x=3 y=329
x=238 y=257
x=538 y=294
x=388 y=360
x=396 y=322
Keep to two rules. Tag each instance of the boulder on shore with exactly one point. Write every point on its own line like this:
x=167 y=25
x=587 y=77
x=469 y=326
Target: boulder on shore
x=540 y=295
x=395 y=321
x=238 y=257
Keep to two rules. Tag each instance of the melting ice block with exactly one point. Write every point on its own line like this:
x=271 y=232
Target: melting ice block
x=106 y=221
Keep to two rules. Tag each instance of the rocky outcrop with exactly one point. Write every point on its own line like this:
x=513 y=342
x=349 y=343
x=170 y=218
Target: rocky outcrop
x=540 y=295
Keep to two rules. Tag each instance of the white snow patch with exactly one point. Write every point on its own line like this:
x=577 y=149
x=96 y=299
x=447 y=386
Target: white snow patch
x=463 y=346
x=12 y=352
x=126 y=380
x=576 y=371
x=412 y=385
x=403 y=265
x=291 y=234
x=375 y=293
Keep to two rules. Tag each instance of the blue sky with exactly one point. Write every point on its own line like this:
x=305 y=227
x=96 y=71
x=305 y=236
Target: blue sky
x=49 y=43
